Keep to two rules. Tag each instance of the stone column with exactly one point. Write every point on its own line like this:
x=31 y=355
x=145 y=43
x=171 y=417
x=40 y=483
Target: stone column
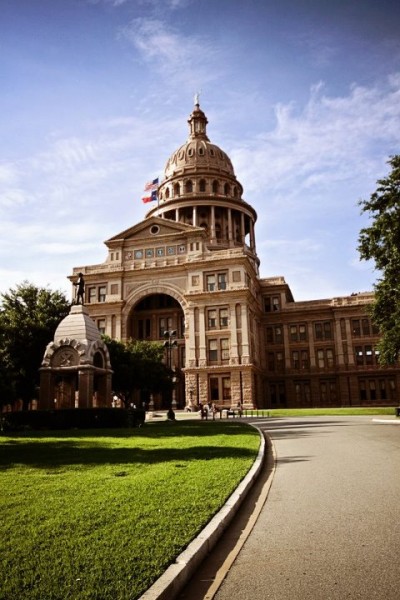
x=212 y=237
x=190 y=338
x=242 y=228
x=194 y=216
x=202 y=339
x=234 y=340
x=245 y=335
x=230 y=230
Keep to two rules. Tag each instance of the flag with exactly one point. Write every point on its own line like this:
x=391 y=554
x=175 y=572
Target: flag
x=150 y=191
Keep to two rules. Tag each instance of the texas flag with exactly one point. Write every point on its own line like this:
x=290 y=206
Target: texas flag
x=150 y=191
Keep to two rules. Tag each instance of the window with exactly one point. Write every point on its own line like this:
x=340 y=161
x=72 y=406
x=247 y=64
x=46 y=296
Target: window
x=210 y=283
x=225 y=349
x=323 y=330
x=218 y=350
x=114 y=289
x=215 y=187
x=325 y=358
x=226 y=388
x=277 y=393
x=272 y=303
x=92 y=294
x=144 y=329
x=212 y=350
x=216 y=281
x=300 y=359
x=275 y=334
x=327 y=392
x=223 y=317
x=102 y=293
x=202 y=185
x=212 y=318
x=363 y=327
x=297 y=333
x=366 y=355
x=188 y=187
x=101 y=325
x=164 y=324
x=302 y=391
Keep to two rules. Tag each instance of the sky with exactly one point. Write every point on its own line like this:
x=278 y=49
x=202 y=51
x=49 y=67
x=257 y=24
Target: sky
x=303 y=95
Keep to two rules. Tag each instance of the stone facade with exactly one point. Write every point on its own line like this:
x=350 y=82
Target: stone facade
x=191 y=267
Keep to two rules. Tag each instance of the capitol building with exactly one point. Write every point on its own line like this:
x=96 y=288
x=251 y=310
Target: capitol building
x=189 y=273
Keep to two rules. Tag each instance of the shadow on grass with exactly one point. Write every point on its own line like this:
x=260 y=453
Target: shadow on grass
x=49 y=450
x=54 y=454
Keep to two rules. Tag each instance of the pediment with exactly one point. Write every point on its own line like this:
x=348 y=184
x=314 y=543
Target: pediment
x=154 y=228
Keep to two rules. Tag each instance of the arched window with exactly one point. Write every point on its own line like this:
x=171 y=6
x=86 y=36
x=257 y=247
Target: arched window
x=202 y=185
x=215 y=187
x=227 y=189
x=189 y=187
x=167 y=193
x=177 y=189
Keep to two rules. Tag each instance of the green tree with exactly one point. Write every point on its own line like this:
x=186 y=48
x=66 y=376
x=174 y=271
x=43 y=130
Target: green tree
x=380 y=242
x=137 y=365
x=28 y=319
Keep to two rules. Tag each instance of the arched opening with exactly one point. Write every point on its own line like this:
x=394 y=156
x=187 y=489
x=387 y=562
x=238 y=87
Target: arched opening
x=160 y=318
x=189 y=187
x=215 y=186
x=202 y=185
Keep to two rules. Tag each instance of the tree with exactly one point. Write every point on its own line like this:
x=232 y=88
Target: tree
x=28 y=319
x=137 y=365
x=380 y=242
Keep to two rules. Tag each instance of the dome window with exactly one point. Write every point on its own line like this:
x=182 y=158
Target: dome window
x=227 y=189
x=201 y=151
x=212 y=151
x=215 y=187
x=189 y=187
x=202 y=185
x=190 y=152
x=177 y=189
x=235 y=192
x=167 y=193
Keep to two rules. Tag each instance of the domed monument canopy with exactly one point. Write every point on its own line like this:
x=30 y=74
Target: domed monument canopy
x=76 y=370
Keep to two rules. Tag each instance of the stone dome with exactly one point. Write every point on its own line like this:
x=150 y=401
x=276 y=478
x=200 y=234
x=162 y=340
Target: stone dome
x=78 y=325
x=198 y=152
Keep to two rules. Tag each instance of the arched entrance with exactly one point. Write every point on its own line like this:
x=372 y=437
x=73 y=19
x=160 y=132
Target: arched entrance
x=159 y=317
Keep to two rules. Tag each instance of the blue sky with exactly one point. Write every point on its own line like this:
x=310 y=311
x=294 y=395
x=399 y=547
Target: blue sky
x=304 y=96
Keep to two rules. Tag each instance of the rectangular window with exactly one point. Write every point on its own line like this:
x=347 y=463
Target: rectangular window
x=102 y=293
x=225 y=349
x=270 y=335
x=210 y=283
x=114 y=289
x=272 y=303
x=293 y=333
x=356 y=328
x=320 y=359
x=365 y=326
x=223 y=317
x=278 y=334
x=295 y=359
x=92 y=295
x=304 y=359
x=323 y=330
x=330 y=359
x=101 y=325
x=222 y=281
x=302 y=332
x=212 y=319
x=212 y=350
x=226 y=388
x=279 y=361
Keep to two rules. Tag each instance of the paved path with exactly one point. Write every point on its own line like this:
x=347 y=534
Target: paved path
x=330 y=528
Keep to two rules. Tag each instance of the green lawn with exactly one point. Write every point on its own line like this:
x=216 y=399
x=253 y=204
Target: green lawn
x=317 y=412
x=101 y=514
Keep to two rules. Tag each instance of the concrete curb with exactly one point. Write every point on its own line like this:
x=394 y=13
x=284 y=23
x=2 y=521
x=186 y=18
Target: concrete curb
x=388 y=421
x=178 y=574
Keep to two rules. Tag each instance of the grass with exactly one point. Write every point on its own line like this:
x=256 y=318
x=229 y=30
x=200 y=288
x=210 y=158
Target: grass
x=317 y=412
x=100 y=515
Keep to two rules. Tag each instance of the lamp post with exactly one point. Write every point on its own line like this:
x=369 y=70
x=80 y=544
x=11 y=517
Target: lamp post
x=170 y=343
x=174 y=382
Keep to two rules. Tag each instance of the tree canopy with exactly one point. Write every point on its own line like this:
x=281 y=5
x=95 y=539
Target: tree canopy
x=380 y=242
x=29 y=316
x=137 y=365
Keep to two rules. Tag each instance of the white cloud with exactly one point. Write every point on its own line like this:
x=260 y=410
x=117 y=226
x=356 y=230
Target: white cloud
x=176 y=57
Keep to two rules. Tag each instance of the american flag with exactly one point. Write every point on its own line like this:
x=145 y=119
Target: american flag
x=150 y=191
